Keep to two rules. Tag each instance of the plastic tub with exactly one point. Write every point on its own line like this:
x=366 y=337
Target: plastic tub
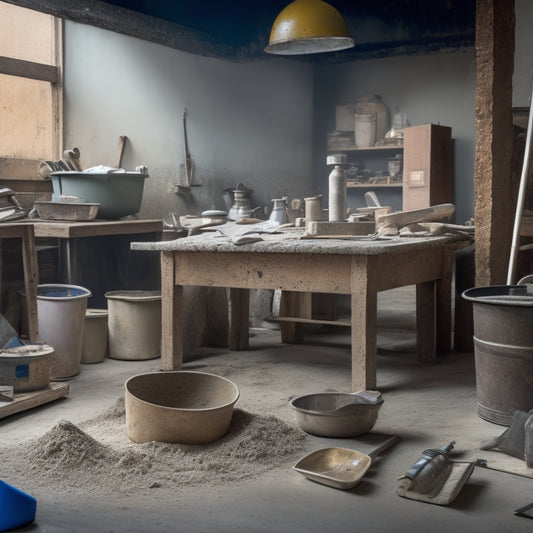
x=185 y=407
x=16 y=507
x=134 y=324
x=61 y=311
x=94 y=346
x=119 y=193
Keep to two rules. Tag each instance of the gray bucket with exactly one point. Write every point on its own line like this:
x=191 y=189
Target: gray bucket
x=503 y=348
x=61 y=312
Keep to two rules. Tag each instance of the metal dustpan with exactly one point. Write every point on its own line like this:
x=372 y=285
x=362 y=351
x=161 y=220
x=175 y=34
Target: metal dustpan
x=340 y=468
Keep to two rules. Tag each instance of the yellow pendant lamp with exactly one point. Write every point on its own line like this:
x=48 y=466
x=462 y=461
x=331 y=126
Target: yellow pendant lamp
x=308 y=27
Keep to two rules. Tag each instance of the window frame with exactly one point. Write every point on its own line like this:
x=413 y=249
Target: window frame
x=48 y=73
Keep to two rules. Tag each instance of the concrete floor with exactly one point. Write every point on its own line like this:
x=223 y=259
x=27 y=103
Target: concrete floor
x=427 y=405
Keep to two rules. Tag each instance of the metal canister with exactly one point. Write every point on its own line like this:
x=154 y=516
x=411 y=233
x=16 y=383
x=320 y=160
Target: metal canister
x=313 y=208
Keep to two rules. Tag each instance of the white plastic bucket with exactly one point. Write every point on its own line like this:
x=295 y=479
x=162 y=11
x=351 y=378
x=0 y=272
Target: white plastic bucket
x=134 y=324
x=61 y=315
x=94 y=345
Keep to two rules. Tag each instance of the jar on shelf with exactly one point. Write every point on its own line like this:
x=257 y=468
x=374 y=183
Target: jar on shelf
x=366 y=105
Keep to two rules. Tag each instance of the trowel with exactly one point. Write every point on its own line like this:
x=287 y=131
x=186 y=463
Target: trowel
x=186 y=170
x=434 y=478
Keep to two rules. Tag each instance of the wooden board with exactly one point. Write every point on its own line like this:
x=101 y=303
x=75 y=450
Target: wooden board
x=17 y=168
x=331 y=229
x=71 y=230
x=27 y=400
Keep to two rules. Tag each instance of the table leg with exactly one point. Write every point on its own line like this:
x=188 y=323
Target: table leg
x=426 y=322
x=239 y=335
x=363 y=322
x=434 y=313
x=444 y=304
x=31 y=280
x=171 y=316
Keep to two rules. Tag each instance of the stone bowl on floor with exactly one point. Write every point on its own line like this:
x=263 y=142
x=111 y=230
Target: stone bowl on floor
x=334 y=414
x=182 y=406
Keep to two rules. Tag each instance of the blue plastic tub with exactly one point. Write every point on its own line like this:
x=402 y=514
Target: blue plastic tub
x=16 y=507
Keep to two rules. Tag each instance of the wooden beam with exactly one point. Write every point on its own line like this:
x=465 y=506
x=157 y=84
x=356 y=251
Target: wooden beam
x=494 y=201
x=28 y=69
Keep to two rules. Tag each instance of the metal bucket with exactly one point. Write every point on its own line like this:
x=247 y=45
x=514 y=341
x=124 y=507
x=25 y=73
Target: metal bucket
x=503 y=348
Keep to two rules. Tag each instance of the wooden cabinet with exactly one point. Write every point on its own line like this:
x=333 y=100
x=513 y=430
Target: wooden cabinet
x=427 y=166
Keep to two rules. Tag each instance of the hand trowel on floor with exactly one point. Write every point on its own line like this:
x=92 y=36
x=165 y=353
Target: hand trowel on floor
x=434 y=478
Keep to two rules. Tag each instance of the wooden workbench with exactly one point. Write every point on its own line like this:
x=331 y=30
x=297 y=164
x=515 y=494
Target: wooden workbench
x=94 y=235
x=360 y=268
x=68 y=232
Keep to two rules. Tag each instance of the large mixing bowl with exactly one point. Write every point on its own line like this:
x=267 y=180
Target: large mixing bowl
x=334 y=414
x=185 y=407
x=118 y=193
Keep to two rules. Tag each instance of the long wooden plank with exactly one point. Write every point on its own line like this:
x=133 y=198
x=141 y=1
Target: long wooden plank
x=289 y=272
x=272 y=318
x=28 y=400
x=20 y=169
x=71 y=230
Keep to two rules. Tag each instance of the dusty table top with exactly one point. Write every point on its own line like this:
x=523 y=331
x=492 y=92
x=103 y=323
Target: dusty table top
x=291 y=241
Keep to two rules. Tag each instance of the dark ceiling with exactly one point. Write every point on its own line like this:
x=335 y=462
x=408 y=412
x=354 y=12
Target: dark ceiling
x=239 y=29
x=379 y=26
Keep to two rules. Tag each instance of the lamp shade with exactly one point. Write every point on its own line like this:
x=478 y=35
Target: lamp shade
x=308 y=27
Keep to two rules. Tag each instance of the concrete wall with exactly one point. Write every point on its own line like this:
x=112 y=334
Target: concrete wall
x=249 y=123
x=437 y=88
x=263 y=123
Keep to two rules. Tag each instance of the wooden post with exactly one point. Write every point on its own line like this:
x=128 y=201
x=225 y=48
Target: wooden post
x=494 y=200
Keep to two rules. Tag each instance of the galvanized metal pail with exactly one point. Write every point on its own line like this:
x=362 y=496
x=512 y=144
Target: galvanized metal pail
x=503 y=348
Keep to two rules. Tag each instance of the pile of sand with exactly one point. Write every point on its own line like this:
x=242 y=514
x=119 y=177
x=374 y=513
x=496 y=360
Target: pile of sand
x=97 y=454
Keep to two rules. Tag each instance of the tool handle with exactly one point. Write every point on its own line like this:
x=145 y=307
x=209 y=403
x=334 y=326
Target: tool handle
x=121 y=145
x=382 y=447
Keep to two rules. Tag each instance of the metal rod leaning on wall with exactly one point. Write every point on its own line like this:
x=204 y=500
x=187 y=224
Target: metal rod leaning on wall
x=515 y=243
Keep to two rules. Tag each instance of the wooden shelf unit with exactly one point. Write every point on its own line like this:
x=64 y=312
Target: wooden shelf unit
x=427 y=166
